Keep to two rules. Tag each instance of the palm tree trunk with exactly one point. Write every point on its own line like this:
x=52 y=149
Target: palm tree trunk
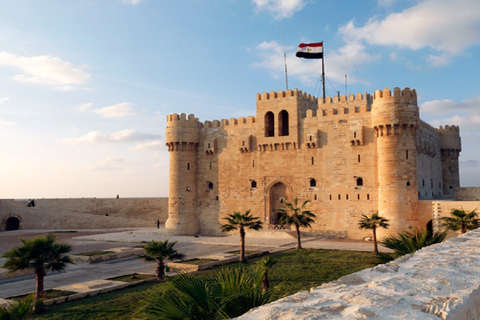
x=265 y=282
x=160 y=270
x=242 y=245
x=39 y=289
x=464 y=228
x=375 y=246
x=299 y=241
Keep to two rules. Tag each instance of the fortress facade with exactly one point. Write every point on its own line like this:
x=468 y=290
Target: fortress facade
x=348 y=155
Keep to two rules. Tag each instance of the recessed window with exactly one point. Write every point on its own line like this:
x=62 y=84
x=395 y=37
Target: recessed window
x=359 y=182
x=406 y=154
x=339 y=197
x=253 y=163
x=210 y=166
x=358 y=159
x=253 y=184
x=188 y=166
x=358 y=196
x=408 y=183
x=346 y=196
x=315 y=197
x=313 y=183
x=313 y=161
x=283 y=123
x=368 y=196
x=269 y=124
x=210 y=185
x=330 y=197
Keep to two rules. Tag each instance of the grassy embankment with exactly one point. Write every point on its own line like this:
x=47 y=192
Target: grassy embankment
x=300 y=270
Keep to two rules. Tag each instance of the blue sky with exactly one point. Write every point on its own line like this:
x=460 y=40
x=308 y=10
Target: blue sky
x=85 y=85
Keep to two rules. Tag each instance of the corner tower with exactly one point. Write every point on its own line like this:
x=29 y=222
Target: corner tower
x=395 y=123
x=181 y=139
x=450 y=147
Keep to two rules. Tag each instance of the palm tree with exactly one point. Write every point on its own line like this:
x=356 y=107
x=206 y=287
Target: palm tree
x=460 y=220
x=17 y=310
x=372 y=223
x=228 y=293
x=299 y=217
x=266 y=263
x=239 y=221
x=41 y=254
x=411 y=241
x=160 y=251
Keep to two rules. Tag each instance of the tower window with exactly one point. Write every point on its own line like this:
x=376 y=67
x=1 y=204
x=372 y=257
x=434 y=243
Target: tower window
x=368 y=196
x=339 y=197
x=253 y=163
x=315 y=197
x=254 y=184
x=408 y=183
x=358 y=159
x=269 y=124
x=346 y=196
x=406 y=154
x=313 y=160
x=359 y=182
x=188 y=166
x=210 y=166
x=358 y=196
x=210 y=185
x=283 y=123
x=313 y=183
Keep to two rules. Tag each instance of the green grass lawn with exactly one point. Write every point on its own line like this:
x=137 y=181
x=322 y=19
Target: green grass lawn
x=300 y=270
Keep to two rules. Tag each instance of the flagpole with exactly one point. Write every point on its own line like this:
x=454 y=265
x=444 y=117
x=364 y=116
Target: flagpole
x=284 y=56
x=323 y=72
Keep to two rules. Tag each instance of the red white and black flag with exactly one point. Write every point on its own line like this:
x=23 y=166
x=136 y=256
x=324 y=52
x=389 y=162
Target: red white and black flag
x=310 y=50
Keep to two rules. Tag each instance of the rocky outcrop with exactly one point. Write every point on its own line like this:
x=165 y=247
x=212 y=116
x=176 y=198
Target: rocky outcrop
x=438 y=282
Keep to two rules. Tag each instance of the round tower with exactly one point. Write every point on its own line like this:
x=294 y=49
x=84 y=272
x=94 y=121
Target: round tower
x=395 y=122
x=450 y=146
x=181 y=139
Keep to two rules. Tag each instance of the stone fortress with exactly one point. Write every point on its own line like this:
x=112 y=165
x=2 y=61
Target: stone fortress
x=348 y=155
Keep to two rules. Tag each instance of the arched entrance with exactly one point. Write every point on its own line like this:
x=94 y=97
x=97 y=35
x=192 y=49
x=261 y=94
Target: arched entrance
x=277 y=196
x=12 y=224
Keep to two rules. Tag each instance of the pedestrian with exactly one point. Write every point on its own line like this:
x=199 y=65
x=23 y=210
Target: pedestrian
x=158 y=224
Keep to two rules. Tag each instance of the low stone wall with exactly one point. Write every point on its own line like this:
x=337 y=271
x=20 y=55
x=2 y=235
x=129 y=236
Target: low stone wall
x=88 y=213
x=438 y=282
x=467 y=194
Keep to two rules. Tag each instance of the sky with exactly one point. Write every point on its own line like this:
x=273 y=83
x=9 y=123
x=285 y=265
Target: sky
x=85 y=85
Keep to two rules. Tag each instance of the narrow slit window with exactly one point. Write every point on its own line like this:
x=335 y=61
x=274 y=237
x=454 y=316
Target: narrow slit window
x=368 y=196
x=358 y=159
x=188 y=166
x=406 y=154
x=358 y=196
x=313 y=161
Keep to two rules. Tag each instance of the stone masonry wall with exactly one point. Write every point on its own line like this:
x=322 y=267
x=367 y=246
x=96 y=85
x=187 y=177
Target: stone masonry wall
x=88 y=213
x=438 y=282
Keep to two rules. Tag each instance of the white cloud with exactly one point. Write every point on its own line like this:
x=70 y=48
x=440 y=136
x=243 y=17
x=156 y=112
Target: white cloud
x=444 y=25
x=279 y=8
x=3 y=100
x=5 y=123
x=309 y=71
x=442 y=112
x=118 y=110
x=46 y=70
x=108 y=164
x=155 y=145
x=133 y=2
x=85 y=107
x=127 y=135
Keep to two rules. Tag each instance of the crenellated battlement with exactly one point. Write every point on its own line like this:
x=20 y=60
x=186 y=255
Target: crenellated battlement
x=446 y=129
x=407 y=95
x=357 y=99
x=175 y=117
x=286 y=94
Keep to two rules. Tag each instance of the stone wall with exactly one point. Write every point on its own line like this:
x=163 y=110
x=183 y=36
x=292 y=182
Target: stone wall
x=438 y=282
x=467 y=194
x=87 y=213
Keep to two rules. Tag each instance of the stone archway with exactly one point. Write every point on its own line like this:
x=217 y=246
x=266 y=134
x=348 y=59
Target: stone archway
x=11 y=222
x=278 y=193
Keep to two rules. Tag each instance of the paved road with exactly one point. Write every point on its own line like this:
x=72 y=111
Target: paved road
x=192 y=247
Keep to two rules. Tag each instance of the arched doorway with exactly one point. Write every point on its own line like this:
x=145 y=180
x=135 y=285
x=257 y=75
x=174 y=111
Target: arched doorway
x=12 y=224
x=278 y=196
x=430 y=226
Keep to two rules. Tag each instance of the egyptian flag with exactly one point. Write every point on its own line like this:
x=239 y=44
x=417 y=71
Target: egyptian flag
x=310 y=50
